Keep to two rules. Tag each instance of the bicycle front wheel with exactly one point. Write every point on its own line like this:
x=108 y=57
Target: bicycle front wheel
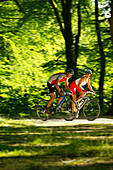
x=91 y=110
x=41 y=110
x=66 y=110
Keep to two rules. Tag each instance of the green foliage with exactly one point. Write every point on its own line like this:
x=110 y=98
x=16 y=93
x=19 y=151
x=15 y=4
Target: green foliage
x=32 y=49
x=22 y=58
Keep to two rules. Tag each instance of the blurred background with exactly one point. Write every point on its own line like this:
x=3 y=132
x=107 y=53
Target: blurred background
x=39 y=38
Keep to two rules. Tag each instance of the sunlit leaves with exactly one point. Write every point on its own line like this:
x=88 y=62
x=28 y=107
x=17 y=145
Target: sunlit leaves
x=32 y=48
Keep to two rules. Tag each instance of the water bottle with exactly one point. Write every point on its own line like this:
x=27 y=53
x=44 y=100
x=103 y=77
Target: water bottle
x=81 y=102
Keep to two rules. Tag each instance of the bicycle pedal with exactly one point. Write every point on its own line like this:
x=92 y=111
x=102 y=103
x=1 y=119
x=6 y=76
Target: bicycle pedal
x=52 y=113
x=47 y=111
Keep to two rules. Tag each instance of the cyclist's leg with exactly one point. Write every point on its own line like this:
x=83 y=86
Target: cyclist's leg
x=73 y=104
x=83 y=94
x=80 y=97
x=73 y=89
x=60 y=99
x=53 y=94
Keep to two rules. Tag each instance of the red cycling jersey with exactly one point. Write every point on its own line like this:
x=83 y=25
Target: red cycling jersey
x=60 y=76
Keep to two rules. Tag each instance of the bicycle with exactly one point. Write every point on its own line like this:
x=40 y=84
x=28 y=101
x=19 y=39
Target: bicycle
x=91 y=108
x=65 y=107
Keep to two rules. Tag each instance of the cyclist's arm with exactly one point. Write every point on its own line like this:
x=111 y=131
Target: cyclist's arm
x=89 y=85
x=66 y=85
x=56 y=85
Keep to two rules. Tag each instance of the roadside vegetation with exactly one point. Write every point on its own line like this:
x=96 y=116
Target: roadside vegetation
x=26 y=145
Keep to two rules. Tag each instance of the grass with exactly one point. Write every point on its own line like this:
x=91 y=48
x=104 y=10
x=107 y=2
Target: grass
x=24 y=145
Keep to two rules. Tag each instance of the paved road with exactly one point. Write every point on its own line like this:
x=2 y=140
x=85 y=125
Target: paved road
x=62 y=122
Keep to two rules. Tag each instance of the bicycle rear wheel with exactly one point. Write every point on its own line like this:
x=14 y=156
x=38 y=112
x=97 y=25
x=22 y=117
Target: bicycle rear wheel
x=66 y=109
x=40 y=110
x=91 y=110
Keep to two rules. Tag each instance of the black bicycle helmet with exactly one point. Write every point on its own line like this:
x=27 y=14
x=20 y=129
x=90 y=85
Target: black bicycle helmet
x=88 y=71
x=70 y=70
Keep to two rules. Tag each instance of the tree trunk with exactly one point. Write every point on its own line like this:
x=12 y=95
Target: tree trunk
x=67 y=10
x=77 y=37
x=111 y=21
x=102 y=72
x=66 y=29
x=110 y=112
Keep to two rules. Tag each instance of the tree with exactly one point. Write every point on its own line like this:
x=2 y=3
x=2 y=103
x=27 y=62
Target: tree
x=102 y=72
x=111 y=21
x=64 y=19
x=110 y=112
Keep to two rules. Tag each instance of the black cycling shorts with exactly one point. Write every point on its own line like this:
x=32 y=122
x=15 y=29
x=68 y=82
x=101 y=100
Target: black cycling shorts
x=52 y=87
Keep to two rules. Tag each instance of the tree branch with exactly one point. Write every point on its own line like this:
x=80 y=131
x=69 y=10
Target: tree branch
x=3 y=32
x=63 y=6
x=20 y=8
x=77 y=37
x=57 y=16
x=9 y=18
x=3 y=0
x=102 y=72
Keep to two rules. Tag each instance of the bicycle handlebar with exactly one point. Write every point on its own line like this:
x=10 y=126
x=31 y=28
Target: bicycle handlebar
x=68 y=93
x=90 y=92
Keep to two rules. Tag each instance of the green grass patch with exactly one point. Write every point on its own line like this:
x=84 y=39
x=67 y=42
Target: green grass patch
x=24 y=145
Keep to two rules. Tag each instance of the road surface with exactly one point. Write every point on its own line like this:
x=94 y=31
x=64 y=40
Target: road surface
x=62 y=122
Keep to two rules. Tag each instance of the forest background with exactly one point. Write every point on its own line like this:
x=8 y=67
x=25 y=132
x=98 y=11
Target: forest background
x=39 y=38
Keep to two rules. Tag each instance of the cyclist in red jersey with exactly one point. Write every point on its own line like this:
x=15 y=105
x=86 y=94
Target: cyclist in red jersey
x=77 y=86
x=53 y=83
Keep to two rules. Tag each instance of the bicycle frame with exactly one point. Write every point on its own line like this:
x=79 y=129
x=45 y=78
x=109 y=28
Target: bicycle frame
x=66 y=108
x=64 y=99
x=80 y=107
x=86 y=99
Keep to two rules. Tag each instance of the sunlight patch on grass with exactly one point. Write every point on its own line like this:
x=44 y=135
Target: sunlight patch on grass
x=16 y=153
x=61 y=146
x=90 y=137
x=41 y=144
